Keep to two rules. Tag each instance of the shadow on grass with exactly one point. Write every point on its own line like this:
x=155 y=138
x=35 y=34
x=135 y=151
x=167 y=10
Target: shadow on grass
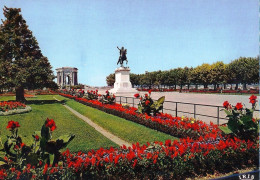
x=41 y=102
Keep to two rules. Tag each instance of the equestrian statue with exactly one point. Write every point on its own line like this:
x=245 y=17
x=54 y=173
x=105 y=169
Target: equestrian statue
x=122 y=56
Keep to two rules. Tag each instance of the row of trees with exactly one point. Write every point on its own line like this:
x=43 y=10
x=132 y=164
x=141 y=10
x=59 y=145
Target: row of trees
x=22 y=64
x=244 y=70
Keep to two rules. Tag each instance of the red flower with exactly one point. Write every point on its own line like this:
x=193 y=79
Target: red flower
x=150 y=91
x=45 y=168
x=135 y=162
x=253 y=99
x=146 y=95
x=147 y=102
x=12 y=125
x=108 y=97
x=107 y=91
x=239 y=106
x=137 y=95
x=226 y=104
x=51 y=124
x=36 y=137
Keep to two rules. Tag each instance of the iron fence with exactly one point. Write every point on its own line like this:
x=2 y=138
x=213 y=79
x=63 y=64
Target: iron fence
x=206 y=113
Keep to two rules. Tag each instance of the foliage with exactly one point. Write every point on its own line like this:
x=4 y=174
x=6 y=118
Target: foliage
x=44 y=149
x=108 y=98
x=244 y=70
x=241 y=121
x=90 y=95
x=80 y=86
x=7 y=106
x=22 y=64
x=159 y=160
x=148 y=106
x=110 y=79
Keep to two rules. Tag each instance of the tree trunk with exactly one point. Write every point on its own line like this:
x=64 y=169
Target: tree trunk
x=188 y=86
x=20 y=94
x=196 y=86
x=236 y=86
x=244 y=86
x=225 y=86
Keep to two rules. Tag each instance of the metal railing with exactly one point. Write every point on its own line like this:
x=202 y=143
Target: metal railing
x=174 y=108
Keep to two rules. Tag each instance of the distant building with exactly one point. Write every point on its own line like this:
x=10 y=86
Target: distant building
x=67 y=76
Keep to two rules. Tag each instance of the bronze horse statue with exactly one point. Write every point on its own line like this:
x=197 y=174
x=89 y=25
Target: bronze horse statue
x=122 y=56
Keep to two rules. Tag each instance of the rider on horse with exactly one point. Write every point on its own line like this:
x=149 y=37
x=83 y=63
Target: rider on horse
x=122 y=56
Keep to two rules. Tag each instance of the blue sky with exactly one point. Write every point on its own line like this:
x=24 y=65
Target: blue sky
x=158 y=35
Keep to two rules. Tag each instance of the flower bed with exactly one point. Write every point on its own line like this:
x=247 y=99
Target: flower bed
x=10 y=107
x=169 y=160
x=175 y=126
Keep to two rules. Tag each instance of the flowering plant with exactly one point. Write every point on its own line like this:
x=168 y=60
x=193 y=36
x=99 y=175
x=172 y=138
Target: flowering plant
x=241 y=121
x=6 y=106
x=44 y=149
x=108 y=98
x=148 y=106
x=92 y=95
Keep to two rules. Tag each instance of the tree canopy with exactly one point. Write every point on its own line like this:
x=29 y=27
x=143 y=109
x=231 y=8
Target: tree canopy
x=244 y=70
x=22 y=64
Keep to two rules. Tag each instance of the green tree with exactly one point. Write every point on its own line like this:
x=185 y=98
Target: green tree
x=22 y=64
x=244 y=70
x=134 y=79
x=217 y=74
x=173 y=77
x=203 y=73
x=110 y=79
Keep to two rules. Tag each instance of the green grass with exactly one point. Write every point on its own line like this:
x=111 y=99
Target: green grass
x=86 y=138
x=6 y=98
x=127 y=130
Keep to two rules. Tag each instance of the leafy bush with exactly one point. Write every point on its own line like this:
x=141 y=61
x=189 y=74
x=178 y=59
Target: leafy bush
x=148 y=106
x=91 y=95
x=44 y=150
x=241 y=121
x=108 y=98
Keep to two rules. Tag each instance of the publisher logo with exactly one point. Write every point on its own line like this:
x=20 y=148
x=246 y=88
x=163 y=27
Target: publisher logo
x=246 y=177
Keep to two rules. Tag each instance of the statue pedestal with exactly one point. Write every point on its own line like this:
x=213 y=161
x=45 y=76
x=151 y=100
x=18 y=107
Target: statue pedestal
x=122 y=82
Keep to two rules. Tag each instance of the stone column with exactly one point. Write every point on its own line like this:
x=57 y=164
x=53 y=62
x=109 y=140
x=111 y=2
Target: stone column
x=76 y=78
x=62 y=78
x=58 y=78
x=72 y=78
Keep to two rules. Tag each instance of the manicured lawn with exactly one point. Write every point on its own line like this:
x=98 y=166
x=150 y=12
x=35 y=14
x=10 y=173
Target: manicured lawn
x=127 y=130
x=6 y=98
x=86 y=138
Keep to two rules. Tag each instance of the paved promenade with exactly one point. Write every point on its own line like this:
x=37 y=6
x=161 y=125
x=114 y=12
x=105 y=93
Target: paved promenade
x=195 y=98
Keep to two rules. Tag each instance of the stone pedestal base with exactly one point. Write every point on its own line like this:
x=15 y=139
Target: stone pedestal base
x=122 y=82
